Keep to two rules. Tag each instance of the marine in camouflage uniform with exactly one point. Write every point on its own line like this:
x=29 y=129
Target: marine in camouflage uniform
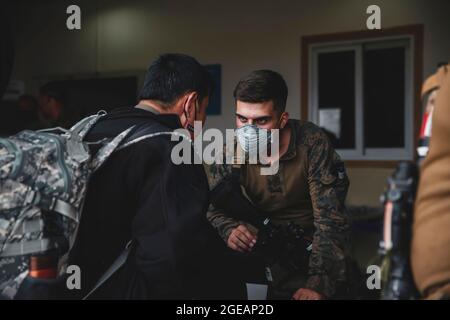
x=309 y=189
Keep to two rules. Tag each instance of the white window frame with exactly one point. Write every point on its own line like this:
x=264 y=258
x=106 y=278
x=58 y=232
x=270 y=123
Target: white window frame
x=359 y=152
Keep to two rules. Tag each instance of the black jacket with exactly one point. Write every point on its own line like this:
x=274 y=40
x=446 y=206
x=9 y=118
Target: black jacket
x=140 y=194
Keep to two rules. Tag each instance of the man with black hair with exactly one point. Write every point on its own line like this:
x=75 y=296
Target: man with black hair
x=52 y=100
x=309 y=189
x=141 y=195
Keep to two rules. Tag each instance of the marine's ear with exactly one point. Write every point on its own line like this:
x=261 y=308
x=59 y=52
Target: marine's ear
x=284 y=119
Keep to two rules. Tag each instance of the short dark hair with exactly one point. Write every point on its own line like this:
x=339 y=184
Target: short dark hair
x=55 y=90
x=262 y=86
x=172 y=75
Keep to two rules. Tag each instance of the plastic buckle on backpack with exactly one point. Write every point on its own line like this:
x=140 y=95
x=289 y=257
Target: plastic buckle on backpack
x=52 y=204
x=48 y=203
x=30 y=198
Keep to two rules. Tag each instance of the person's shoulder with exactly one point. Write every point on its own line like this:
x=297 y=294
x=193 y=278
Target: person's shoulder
x=308 y=133
x=160 y=143
x=153 y=143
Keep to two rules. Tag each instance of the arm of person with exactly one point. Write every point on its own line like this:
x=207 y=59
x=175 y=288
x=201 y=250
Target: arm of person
x=237 y=235
x=331 y=222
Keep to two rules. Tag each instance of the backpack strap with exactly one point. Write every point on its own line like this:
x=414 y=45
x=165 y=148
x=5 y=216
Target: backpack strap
x=82 y=127
x=130 y=137
x=115 y=266
x=75 y=135
x=146 y=131
x=105 y=152
x=30 y=246
x=49 y=203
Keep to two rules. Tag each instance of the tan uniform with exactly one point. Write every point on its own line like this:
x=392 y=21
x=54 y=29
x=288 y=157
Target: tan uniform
x=431 y=232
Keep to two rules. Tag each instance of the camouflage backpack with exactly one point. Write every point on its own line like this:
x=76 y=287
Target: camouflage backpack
x=43 y=180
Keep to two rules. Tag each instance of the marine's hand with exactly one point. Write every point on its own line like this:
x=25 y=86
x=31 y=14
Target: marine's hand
x=241 y=239
x=306 y=294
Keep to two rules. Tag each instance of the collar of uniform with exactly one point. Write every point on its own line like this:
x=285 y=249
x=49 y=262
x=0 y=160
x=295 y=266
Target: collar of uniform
x=171 y=120
x=147 y=108
x=292 y=150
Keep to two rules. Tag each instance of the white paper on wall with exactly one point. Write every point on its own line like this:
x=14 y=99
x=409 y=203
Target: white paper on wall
x=14 y=90
x=330 y=119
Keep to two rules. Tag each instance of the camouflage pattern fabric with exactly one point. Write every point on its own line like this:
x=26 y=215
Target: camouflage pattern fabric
x=309 y=189
x=43 y=180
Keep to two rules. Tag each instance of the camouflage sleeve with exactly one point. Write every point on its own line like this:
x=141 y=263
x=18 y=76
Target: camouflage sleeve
x=328 y=186
x=218 y=219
